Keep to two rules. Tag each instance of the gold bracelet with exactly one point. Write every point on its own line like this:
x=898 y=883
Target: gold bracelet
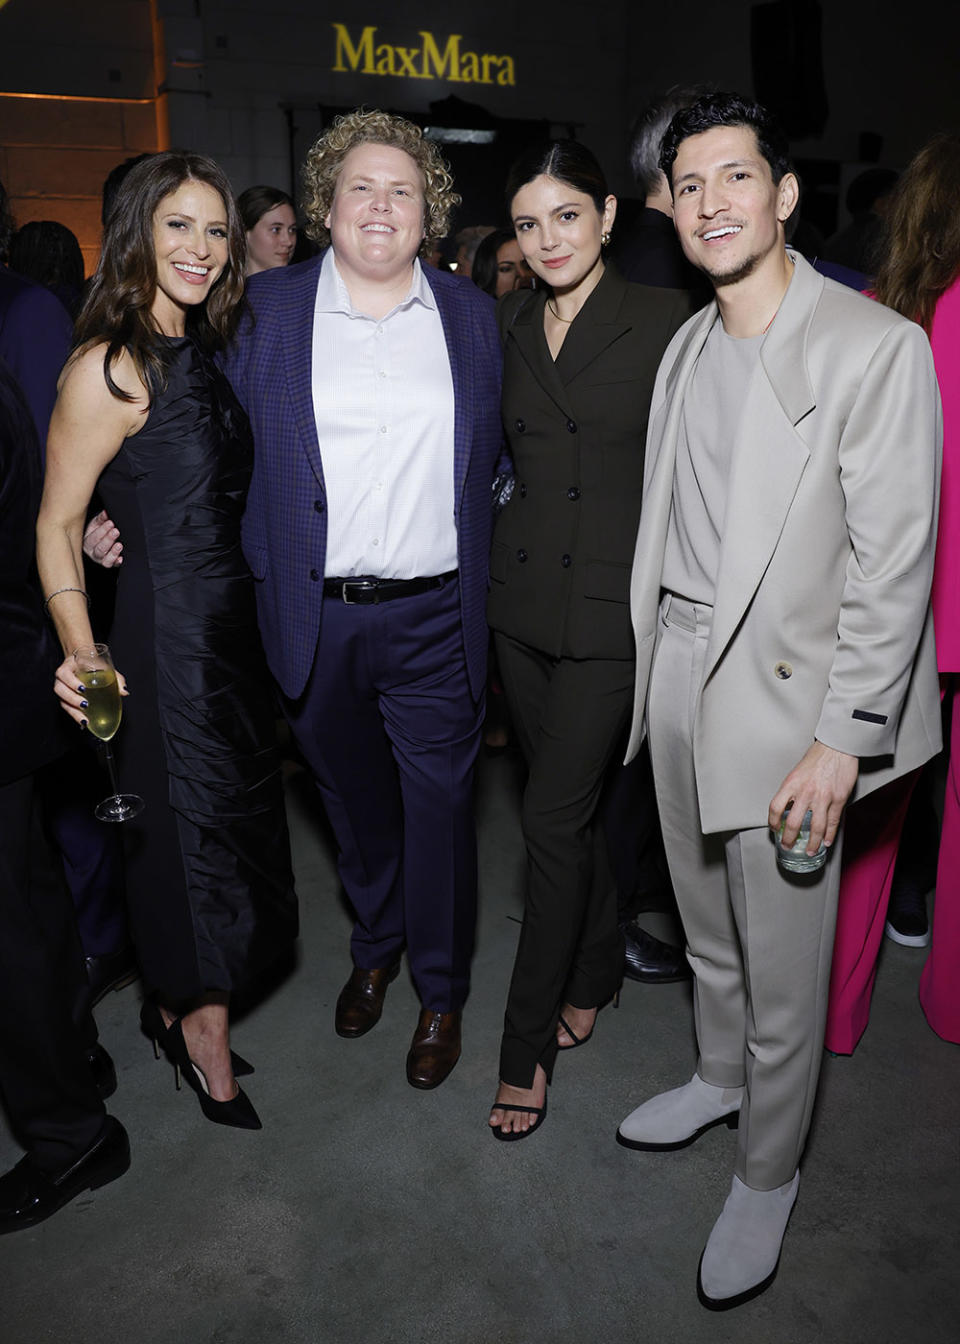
x=48 y=600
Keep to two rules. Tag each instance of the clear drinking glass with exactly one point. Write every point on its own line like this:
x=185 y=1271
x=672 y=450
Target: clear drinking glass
x=796 y=859
x=104 y=711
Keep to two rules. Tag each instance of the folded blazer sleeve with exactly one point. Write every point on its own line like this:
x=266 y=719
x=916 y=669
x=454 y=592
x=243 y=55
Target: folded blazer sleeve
x=889 y=459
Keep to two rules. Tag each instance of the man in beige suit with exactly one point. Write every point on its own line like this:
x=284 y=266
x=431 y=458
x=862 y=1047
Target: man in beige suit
x=784 y=646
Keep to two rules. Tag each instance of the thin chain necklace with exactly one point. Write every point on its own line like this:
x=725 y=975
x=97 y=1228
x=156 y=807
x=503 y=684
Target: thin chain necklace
x=553 y=310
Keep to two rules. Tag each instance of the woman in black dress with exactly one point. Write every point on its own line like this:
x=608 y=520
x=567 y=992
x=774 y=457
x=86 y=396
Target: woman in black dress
x=144 y=415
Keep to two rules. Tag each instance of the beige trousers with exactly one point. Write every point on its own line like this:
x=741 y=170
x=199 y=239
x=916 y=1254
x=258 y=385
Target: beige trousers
x=759 y=940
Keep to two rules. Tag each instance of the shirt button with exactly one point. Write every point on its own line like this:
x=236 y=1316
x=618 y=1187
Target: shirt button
x=519 y=426
x=523 y=490
x=318 y=504
x=566 y=561
x=783 y=670
x=379 y=331
x=573 y=492
x=522 y=555
x=315 y=574
x=383 y=429
x=376 y=541
x=382 y=373
x=571 y=426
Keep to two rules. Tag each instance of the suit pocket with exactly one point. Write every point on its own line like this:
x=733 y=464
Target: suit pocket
x=499 y=560
x=609 y=583
x=257 y=558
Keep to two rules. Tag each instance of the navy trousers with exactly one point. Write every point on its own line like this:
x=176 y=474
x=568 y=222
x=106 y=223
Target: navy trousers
x=390 y=730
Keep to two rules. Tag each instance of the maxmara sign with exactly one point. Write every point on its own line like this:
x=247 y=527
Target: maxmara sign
x=364 y=55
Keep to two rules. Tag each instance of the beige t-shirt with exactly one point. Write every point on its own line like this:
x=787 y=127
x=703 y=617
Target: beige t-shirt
x=709 y=426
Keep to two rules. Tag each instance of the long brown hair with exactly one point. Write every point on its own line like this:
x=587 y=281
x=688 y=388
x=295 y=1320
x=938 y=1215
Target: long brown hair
x=920 y=258
x=117 y=309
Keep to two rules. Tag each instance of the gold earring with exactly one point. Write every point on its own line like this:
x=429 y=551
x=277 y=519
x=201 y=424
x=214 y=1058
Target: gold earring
x=605 y=238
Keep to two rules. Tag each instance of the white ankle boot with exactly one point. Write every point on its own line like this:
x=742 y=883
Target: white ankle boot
x=674 y=1119
x=742 y=1252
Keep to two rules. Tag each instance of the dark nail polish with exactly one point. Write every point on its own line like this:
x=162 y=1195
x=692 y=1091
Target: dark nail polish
x=83 y=724
x=84 y=705
x=81 y=689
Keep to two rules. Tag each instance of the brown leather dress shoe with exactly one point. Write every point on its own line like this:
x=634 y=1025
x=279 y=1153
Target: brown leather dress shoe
x=361 y=999
x=434 y=1050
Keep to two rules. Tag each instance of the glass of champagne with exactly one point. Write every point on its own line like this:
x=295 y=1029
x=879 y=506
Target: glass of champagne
x=104 y=710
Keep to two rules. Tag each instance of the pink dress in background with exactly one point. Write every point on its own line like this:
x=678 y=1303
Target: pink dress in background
x=873 y=827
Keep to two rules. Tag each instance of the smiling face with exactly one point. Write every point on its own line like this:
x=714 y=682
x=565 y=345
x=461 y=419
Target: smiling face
x=272 y=239
x=376 y=218
x=729 y=212
x=190 y=248
x=512 y=269
x=559 y=231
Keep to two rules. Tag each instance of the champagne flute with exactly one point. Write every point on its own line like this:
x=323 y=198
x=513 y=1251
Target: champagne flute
x=104 y=710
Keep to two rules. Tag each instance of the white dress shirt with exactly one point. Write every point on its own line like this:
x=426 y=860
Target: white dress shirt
x=383 y=403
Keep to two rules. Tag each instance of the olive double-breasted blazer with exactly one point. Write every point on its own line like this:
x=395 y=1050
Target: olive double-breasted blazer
x=563 y=546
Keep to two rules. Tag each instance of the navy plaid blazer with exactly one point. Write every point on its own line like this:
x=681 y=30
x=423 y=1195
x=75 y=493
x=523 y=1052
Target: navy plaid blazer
x=285 y=523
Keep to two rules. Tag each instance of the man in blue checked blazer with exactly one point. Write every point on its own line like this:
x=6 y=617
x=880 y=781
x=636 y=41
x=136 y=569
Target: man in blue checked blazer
x=372 y=385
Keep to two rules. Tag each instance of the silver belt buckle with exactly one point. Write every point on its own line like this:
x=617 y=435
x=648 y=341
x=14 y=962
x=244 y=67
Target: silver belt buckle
x=364 y=584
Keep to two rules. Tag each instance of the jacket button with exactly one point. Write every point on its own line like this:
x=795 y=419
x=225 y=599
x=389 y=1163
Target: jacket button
x=315 y=574
x=522 y=555
x=566 y=561
x=571 y=426
x=519 y=426
x=783 y=670
x=319 y=505
x=523 y=490
x=573 y=492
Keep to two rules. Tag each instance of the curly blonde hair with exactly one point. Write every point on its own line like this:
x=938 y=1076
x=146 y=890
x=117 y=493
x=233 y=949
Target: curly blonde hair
x=327 y=154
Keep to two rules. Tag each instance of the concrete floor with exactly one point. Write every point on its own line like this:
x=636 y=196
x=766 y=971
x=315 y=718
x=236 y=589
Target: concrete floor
x=367 y=1211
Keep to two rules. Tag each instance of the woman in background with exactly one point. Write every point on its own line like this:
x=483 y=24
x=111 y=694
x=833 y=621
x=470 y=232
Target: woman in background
x=145 y=416
x=918 y=276
x=270 y=222
x=500 y=266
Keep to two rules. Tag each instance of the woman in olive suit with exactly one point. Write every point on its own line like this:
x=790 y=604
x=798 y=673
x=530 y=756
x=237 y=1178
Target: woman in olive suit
x=580 y=356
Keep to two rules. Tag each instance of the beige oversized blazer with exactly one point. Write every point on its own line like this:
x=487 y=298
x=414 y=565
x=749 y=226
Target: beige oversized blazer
x=821 y=625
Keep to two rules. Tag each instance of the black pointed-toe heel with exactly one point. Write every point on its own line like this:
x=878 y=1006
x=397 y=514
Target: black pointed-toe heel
x=155 y=1029
x=238 y=1112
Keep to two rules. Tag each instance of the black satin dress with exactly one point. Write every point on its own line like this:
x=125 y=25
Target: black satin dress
x=209 y=881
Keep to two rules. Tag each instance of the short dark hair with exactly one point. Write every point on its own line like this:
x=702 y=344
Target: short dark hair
x=727 y=109
x=647 y=131
x=255 y=202
x=114 y=181
x=568 y=162
x=46 y=251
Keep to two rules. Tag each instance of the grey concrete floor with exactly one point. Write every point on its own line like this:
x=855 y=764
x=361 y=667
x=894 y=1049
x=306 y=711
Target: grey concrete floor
x=367 y=1211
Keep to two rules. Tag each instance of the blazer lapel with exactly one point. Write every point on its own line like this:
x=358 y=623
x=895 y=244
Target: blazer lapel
x=769 y=461
x=460 y=350
x=662 y=439
x=527 y=332
x=597 y=326
x=297 y=337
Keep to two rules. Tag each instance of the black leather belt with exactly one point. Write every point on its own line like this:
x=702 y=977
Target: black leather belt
x=365 y=592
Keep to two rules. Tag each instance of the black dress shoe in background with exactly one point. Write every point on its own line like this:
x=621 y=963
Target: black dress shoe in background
x=104 y=1073
x=650 y=960
x=113 y=971
x=29 y=1195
